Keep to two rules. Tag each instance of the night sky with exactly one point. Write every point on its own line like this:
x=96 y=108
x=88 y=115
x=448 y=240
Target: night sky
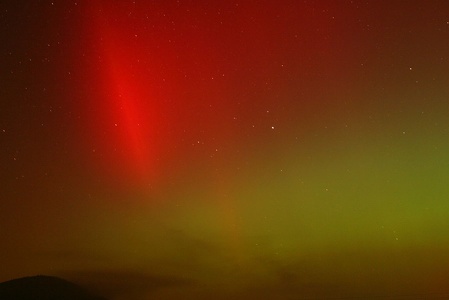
x=265 y=149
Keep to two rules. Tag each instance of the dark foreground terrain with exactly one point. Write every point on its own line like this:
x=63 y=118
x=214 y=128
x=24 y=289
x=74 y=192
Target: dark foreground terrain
x=43 y=288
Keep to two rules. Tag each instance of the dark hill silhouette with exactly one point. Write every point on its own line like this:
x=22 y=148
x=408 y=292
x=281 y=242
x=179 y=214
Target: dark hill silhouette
x=43 y=288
